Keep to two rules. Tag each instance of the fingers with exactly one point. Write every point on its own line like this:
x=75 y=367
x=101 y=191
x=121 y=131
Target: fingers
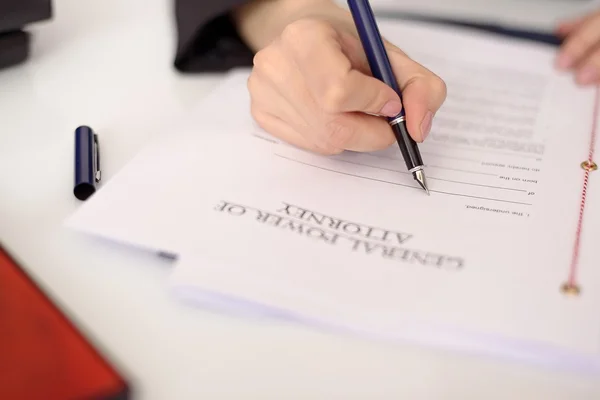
x=355 y=132
x=267 y=94
x=281 y=129
x=423 y=93
x=353 y=91
x=565 y=28
x=328 y=134
x=578 y=51
x=589 y=70
x=333 y=70
x=332 y=80
x=272 y=111
x=311 y=87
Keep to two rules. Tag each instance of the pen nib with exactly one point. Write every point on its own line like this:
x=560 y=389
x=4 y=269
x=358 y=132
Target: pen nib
x=419 y=176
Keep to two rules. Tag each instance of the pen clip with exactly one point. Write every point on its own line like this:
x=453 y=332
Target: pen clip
x=98 y=174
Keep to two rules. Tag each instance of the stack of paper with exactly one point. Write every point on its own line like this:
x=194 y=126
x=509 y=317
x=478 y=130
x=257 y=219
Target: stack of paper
x=500 y=259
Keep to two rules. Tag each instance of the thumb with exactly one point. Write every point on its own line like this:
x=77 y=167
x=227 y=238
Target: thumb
x=423 y=93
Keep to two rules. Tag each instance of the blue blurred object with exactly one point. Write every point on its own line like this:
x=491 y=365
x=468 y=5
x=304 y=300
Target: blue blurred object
x=536 y=36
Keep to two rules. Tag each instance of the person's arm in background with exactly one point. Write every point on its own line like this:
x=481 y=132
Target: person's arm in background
x=207 y=38
x=580 y=51
x=310 y=83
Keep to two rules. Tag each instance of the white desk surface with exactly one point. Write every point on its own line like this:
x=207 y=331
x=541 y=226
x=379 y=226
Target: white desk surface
x=107 y=63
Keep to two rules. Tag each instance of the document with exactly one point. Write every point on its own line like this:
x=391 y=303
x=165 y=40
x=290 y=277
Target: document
x=500 y=259
x=489 y=146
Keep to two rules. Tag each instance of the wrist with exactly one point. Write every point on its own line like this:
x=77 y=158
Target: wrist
x=260 y=21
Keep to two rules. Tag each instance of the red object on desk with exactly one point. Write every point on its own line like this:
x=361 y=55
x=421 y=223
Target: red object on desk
x=42 y=354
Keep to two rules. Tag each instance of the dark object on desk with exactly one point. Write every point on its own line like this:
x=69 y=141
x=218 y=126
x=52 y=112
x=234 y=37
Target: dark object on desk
x=87 y=162
x=14 y=48
x=15 y=16
x=43 y=355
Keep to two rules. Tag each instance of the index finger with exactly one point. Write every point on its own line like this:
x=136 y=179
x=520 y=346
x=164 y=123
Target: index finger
x=336 y=85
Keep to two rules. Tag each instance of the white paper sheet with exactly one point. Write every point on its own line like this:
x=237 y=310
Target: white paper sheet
x=348 y=242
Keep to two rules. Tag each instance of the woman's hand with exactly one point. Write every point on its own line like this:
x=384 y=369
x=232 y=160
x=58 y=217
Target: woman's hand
x=580 y=51
x=311 y=84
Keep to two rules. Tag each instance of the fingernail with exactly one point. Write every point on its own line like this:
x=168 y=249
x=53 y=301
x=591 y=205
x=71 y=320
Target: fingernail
x=426 y=124
x=391 y=108
x=587 y=75
x=564 y=61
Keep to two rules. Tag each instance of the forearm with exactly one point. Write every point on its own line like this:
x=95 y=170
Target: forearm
x=261 y=21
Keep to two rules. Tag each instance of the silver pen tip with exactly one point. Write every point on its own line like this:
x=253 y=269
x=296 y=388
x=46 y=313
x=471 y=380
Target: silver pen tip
x=419 y=176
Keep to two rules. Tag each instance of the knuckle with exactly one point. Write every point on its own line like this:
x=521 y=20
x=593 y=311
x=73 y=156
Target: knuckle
x=272 y=64
x=436 y=86
x=415 y=78
x=258 y=57
x=265 y=61
x=333 y=97
x=251 y=83
x=439 y=86
x=303 y=37
x=293 y=33
x=261 y=57
x=299 y=30
x=258 y=115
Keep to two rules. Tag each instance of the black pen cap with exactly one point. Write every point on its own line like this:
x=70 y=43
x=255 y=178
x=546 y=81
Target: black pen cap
x=87 y=162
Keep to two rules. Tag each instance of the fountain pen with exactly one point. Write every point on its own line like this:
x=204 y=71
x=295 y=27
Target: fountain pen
x=381 y=69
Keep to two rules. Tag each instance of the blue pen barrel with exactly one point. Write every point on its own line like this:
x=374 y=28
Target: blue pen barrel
x=381 y=68
x=85 y=163
x=372 y=42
